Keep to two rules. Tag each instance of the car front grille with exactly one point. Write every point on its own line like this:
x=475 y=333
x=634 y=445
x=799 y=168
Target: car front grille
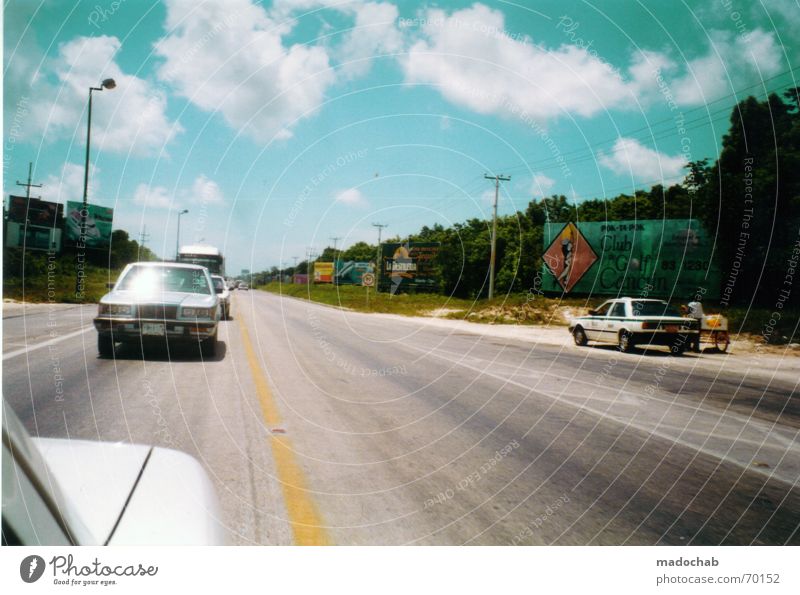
x=159 y=311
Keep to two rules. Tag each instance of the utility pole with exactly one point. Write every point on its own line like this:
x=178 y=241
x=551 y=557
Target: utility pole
x=309 y=255
x=380 y=227
x=497 y=179
x=335 y=242
x=28 y=186
x=143 y=237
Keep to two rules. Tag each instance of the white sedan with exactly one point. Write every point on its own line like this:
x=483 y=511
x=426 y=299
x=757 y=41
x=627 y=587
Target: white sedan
x=627 y=322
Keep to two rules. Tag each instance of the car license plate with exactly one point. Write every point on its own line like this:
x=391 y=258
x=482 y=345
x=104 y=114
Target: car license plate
x=672 y=328
x=153 y=328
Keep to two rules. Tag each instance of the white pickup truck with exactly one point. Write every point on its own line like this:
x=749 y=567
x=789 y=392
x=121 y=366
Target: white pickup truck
x=627 y=322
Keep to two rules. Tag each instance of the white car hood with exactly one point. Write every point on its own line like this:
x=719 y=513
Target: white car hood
x=130 y=494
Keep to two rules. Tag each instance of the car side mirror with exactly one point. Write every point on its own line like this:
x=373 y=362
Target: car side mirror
x=109 y=285
x=592 y=312
x=218 y=289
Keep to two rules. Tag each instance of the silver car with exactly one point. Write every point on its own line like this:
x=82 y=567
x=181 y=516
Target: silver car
x=159 y=301
x=224 y=295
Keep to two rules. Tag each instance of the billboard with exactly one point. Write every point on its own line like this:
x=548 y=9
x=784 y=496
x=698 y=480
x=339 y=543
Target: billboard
x=350 y=272
x=323 y=272
x=34 y=211
x=661 y=258
x=409 y=267
x=98 y=225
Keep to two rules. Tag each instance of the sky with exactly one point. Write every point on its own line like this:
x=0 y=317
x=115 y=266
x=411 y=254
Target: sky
x=281 y=125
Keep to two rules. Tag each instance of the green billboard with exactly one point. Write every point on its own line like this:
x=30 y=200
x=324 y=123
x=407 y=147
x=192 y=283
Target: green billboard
x=98 y=225
x=662 y=258
x=409 y=267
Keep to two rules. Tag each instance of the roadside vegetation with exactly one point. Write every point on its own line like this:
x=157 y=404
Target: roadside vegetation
x=36 y=276
x=749 y=205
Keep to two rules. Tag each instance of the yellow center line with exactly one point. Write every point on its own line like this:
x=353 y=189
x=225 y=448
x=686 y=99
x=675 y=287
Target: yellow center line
x=304 y=517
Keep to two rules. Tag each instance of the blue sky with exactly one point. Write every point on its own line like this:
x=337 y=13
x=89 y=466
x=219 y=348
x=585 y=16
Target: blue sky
x=282 y=124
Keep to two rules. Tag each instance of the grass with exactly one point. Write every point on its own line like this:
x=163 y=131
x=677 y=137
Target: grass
x=516 y=309
x=512 y=309
x=60 y=287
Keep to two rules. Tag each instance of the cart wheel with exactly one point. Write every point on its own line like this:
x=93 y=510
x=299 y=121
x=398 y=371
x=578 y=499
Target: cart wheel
x=721 y=341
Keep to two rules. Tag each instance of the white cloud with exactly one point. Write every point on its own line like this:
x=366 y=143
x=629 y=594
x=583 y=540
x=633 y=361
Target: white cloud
x=206 y=191
x=351 y=196
x=69 y=184
x=131 y=117
x=375 y=32
x=153 y=197
x=629 y=157
x=473 y=63
x=542 y=184
x=202 y=192
x=733 y=61
x=229 y=57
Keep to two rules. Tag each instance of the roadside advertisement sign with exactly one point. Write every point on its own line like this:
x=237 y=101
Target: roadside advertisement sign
x=660 y=258
x=99 y=221
x=22 y=209
x=323 y=272
x=409 y=267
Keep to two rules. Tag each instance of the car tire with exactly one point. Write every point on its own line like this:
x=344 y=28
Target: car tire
x=579 y=335
x=105 y=345
x=625 y=342
x=208 y=348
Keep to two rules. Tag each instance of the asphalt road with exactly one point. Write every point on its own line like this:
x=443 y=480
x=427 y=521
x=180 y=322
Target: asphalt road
x=324 y=426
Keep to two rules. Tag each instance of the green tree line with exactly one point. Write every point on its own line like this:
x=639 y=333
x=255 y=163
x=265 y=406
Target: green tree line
x=752 y=189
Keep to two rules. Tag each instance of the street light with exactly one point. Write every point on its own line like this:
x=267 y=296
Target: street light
x=106 y=84
x=178 y=239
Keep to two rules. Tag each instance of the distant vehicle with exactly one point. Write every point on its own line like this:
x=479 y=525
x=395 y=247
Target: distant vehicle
x=158 y=301
x=628 y=322
x=243 y=286
x=224 y=295
x=207 y=256
x=74 y=492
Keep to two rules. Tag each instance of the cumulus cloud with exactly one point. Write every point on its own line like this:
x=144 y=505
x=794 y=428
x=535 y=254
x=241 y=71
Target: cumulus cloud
x=629 y=157
x=229 y=57
x=472 y=61
x=69 y=184
x=207 y=191
x=131 y=118
x=351 y=197
x=153 y=197
x=542 y=184
x=375 y=32
x=733 y=61
x=201 y=192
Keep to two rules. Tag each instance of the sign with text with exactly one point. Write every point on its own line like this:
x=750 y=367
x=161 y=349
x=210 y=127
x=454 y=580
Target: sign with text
x=323 y=272
x=662 y=258
x=409 y=267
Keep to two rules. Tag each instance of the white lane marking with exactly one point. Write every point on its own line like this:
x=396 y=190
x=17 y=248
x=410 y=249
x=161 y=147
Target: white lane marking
x=16 y=352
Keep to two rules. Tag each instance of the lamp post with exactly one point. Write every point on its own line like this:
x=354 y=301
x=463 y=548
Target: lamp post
x=106 y=84
x=178 y=238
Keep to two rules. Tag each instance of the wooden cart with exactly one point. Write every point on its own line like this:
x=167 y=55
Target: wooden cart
x=714 y=329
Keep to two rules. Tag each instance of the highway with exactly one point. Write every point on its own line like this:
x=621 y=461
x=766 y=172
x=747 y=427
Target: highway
x=319 y=425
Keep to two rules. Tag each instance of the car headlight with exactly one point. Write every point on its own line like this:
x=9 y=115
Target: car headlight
x=198 y=312
x=116 y=309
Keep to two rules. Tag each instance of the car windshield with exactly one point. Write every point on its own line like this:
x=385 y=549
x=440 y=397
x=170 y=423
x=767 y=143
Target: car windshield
x=146 y=279
x=654 y=309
